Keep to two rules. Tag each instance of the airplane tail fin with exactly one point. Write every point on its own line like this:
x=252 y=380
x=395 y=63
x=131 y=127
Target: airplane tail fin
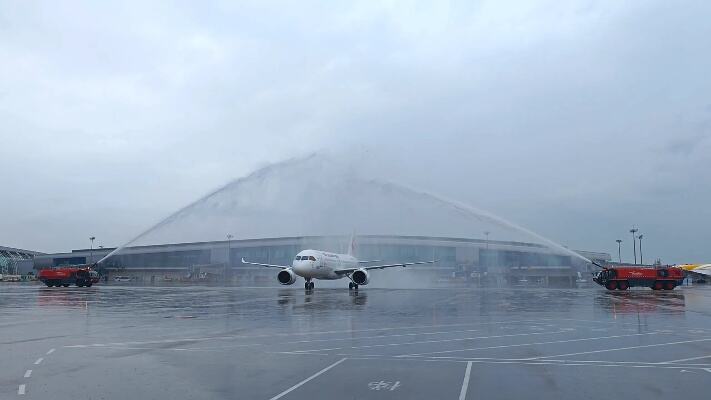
x=352 y=245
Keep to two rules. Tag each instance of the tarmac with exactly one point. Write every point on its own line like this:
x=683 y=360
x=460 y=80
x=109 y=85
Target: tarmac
x=201 y=342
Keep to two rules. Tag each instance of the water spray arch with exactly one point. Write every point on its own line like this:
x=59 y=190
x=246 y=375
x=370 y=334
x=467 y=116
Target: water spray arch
x=317 y=196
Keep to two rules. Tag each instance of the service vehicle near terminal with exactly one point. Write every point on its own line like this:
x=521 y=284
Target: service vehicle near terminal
x=624 y=277
x=82 y=276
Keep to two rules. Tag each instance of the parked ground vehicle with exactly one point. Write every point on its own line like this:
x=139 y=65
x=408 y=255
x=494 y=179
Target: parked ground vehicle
x=66 y=276
x=656 y=278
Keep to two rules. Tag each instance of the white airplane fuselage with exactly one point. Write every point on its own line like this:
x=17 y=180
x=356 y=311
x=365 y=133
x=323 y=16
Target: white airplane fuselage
x=317 y=264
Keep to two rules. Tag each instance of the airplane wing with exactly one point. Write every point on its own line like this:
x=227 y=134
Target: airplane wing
x=349 y=270
x=701 y=269
x=369 y=261
x=265 y=265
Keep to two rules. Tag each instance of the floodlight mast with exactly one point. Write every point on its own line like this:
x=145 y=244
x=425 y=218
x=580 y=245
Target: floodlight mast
x=634 y=243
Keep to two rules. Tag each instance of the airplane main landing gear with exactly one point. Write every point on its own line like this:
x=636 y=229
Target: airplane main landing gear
x=308 y=285
x=352 y=286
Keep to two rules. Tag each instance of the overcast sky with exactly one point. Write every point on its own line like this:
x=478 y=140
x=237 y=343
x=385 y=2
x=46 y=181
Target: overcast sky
x=573 y=118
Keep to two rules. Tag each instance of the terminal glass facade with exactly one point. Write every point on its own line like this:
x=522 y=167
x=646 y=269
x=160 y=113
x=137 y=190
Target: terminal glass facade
x=457 y=259
x=10 y=258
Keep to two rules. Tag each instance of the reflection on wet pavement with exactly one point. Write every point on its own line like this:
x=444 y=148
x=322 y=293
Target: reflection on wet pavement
x=267 y=343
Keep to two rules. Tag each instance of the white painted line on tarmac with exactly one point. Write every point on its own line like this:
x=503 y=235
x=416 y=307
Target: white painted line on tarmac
x=306 y=354
x=338 y=339
x=620 y=348
x=380 y=336
x=433 y=341
x=627 y=362
x=291 y=334
x=51 y=351
x=39 y=360
x=21 y=389
x=226 y=347
x=685 y=359
x=505 y=346
x=673 y=329
x=516 y=360
x=159 y=348
x=287 y=391
x=26 y=321
x=533 y=362
x=28 y=373
x=465 y=383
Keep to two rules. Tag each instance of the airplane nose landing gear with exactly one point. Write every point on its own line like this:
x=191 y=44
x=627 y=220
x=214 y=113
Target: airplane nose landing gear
x=308 y=285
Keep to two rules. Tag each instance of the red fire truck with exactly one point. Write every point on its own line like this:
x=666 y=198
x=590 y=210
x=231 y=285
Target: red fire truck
x=70 y=275
x=624 y=277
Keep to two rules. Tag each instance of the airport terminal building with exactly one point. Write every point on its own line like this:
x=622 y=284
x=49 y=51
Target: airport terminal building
x=461 y=261
x=16 y=261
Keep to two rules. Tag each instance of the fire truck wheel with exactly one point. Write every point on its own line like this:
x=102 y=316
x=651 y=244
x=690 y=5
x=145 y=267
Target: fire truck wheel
x=669 y=286
x=88 y=284
x=611 y=285
x=65 y=284
x=657 y=286
x=622 y=285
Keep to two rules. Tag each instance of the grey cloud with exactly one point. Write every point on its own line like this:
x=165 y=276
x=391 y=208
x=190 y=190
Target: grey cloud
x=687 y=144
x=563 y=116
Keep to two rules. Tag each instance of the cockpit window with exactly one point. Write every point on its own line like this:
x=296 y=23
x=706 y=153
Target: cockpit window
x=298 y=258
x=312 y=258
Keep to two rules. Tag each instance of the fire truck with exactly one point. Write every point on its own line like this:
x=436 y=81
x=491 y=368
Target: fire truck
x=624 y=277
x=80 y=275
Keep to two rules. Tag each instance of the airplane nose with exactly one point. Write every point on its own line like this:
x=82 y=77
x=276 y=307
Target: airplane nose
x=301 y=268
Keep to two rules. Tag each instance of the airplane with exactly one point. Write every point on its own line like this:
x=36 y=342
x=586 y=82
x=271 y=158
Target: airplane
x=699 y=271
x=318 y=264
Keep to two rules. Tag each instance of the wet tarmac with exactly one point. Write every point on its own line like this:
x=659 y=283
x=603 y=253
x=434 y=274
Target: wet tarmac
x=113 y=342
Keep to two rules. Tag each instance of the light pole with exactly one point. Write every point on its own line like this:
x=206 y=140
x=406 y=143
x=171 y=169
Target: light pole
x=640 y=248
x=229 y=259
x=487 y=239
x=91 y=251
x=634 y=243
x=619 y=249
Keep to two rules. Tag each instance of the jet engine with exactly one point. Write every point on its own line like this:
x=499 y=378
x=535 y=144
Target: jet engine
x=360 y=277
x=286 y=276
